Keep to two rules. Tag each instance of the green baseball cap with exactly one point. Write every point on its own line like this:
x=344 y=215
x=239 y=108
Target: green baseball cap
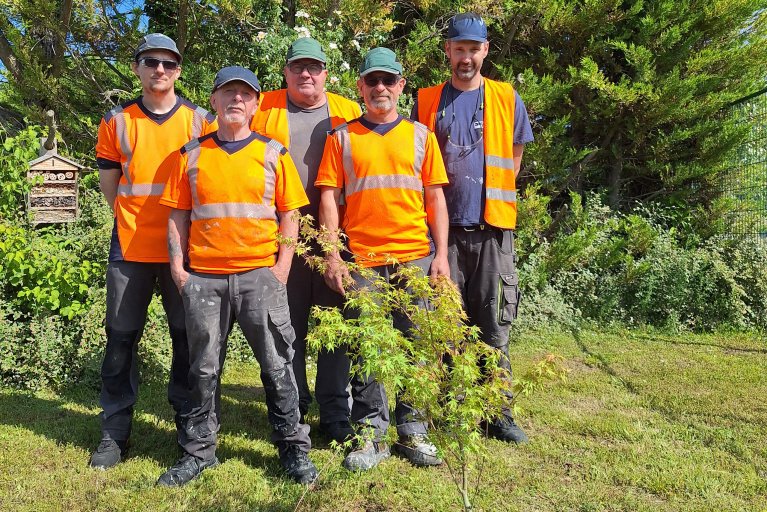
x=380 y=59
x=306 y=48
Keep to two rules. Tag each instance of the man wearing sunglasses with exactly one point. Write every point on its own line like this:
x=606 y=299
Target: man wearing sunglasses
x=134 y=140
x=300 y=117
x=391 y=174
x=482 y=127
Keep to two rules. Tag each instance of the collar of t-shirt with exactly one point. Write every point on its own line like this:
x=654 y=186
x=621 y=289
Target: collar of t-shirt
x=233 y=146
x=381 y=129
x=159 y=118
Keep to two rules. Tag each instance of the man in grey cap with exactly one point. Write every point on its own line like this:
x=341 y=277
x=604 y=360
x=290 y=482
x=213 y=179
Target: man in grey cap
x=300 y=117
x=134 y=139
x=482 y=127
x=231 y=191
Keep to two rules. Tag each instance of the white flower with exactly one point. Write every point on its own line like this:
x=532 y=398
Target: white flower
x=356 y=44
x=333 y=46
x=330 y=23
x=337 y=13
x=302 y=14
x=521 y=78
x=333 y=79
x=261 y=35
x=345 y=66
x=302 y=31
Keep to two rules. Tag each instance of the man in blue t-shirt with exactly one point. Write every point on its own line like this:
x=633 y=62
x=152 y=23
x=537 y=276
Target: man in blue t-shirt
x=470 y=114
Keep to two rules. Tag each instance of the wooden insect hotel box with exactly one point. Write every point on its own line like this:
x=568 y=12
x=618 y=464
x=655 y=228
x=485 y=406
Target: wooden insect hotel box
x=54 y=199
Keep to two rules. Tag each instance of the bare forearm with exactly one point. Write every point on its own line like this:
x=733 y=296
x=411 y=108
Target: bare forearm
x=518 y=149
x=178 y=239
x=108 y=182
x=329 y=215
x=288 y=231
x=436 y=217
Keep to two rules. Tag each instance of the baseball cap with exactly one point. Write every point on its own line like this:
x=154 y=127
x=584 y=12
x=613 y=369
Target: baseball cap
x=467 y=26
x=380 y=59
x=156 y=41
x=232 y=73
x=306 y=48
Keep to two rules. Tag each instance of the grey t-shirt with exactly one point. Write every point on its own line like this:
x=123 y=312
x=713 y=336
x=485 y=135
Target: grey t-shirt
x=308 y=130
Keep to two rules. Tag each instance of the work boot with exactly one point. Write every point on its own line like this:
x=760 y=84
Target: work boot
x=418 y=450
x=186 y=469
x=504 y=429
x=367 y=456
x=338 y=431
x=109 y=453
x=297 y=464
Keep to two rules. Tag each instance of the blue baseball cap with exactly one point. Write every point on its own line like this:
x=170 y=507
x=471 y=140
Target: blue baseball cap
x=156 y=41
x=232 y=73
x=467 y=26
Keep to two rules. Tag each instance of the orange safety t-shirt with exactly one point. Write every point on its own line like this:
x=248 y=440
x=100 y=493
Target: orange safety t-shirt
x=138 y=142
x=390 y=165
x=233 y=190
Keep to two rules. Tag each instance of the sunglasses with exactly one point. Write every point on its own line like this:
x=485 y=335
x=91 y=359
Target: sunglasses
x=314 y=69
x=388 y=80
x=151 y=62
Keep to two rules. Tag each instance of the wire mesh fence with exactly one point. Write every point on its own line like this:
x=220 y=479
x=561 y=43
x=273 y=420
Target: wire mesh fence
x=746 y=182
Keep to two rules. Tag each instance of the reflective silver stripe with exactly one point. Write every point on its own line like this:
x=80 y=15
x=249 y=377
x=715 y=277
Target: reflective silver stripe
x=385 y=181
x=345 y=141
x=421 y=133
x=503 y=163
x=234 y=211
x=509 y=196
x=140 y=189
x=192 y=156
x=122 y=138
x=271 y=158
x=197 y=119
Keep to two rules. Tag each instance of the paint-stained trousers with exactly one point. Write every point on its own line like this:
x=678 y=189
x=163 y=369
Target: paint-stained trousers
x=130 y=286
x=259 y=303
x=483 y=266
x=370 y=404
x=307 y=288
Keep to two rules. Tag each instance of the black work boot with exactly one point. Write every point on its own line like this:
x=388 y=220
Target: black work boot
x=338 y=431
x=366 y=456
x=109 y=453
x=297 y=464
x=505 y=429
x=418 y=450
x=186 y=469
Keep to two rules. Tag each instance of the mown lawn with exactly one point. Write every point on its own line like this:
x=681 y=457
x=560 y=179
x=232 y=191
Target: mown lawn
x=645 y=422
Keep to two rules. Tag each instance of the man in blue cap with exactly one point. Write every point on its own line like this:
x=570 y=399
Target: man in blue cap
x=482 y=127
x=231 y=192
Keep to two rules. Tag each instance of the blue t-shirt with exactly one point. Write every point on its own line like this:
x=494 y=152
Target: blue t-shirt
x=460 y=133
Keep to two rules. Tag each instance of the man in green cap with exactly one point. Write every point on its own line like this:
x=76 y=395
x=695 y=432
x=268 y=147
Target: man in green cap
x=300 y=117
x=391 y=172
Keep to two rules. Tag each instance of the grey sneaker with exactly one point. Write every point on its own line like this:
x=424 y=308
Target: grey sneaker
x=186 y=469
x=367 y=456
x=109 y=453
x=505 y=429
x=418 y=450
x=297 y=464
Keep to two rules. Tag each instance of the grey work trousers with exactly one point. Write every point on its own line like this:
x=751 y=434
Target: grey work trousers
x=483 y=266
x=130 y=286
x=307 y=288
x=259 y=303
x=370 y=406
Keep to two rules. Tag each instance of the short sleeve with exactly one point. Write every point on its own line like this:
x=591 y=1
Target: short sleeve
x=108 y=155
x=330 y=172
x=177 y=193
x=289 y=190
x=433 y=170
x=523 y=132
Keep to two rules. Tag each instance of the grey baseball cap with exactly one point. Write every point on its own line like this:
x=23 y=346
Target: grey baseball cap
x=156 y=41
x=233 y=73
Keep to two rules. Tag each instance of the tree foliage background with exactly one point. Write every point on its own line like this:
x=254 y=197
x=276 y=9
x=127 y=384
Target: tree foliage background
x=622 y=207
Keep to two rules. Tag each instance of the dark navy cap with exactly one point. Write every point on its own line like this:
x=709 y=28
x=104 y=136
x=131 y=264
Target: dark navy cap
x=232 y=73
x=156 y=41
x=467 y=26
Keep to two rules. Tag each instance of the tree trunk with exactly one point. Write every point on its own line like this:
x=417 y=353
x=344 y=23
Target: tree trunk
x=181 y=26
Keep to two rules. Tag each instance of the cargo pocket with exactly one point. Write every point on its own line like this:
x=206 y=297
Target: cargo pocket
x=279 y=317
x=508 y=298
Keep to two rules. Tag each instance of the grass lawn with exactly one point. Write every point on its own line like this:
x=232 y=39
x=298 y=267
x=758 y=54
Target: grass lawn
x=645 y=422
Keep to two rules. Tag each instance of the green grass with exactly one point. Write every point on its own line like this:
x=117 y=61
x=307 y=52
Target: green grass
x=644 y=422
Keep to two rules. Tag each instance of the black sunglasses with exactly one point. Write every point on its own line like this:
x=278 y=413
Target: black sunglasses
x=388 y=80
x=151 y=62
x=313 y=68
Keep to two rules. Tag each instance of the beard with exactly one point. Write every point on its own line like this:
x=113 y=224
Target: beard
x=465 y=73
x=160 y=87
x=381 y=104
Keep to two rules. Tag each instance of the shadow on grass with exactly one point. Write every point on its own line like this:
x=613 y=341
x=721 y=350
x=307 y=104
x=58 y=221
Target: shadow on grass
x=602 y=363
x=726 y=348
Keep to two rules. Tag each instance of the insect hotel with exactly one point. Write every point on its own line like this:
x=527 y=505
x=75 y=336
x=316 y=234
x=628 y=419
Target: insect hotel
x=53 y=197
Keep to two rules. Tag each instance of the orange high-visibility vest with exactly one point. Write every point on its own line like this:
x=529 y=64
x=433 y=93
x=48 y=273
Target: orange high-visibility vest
x=132 y=138
x=500 y=178
x=234 y=199
x=271 y=118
